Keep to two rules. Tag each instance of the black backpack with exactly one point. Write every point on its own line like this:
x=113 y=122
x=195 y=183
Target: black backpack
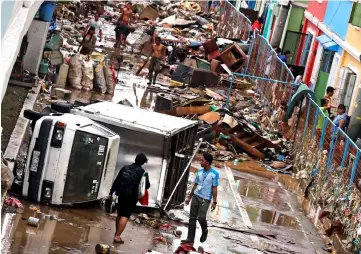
x=129 y=181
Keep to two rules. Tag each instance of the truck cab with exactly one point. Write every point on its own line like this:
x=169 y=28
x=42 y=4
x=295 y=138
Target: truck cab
x=71 y=159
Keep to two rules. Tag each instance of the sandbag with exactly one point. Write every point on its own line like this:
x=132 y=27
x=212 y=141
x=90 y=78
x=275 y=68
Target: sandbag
x=88 y=75
x=75 y=74
x=108 y=73
x=99 y=78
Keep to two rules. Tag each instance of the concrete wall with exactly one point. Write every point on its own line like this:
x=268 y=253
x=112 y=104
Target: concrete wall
x=8 y=9
x=22 y=15
x=337 y=16
x=37 y=33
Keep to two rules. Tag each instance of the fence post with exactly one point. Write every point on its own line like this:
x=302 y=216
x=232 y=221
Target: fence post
x=306 y=122
x=229 y=91
x=353 y=173
x=286 y=84
x=291 y=91
x=332 y=149
x=250 y=53
x=315 y=122
x=323 y=132
x=255 y=66
x=345 y=152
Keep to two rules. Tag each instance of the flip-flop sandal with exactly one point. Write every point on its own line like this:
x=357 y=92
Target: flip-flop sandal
x=120 y=241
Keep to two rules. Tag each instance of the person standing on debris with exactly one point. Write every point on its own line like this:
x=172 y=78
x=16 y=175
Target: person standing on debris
x=126 y=15
x=158 y=55
x=98 y=25
x=123 y=29
x=126 y=187
x=204 y=189
x=88 y=43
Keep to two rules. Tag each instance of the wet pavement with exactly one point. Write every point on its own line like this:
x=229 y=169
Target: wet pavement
x=269 y=207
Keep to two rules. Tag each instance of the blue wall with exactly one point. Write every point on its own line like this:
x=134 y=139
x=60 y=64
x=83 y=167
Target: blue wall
x=6 y=12
x=337 y=16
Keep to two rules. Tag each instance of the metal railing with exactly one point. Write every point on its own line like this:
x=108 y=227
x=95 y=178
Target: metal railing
x=233 y=24
x=321 y=150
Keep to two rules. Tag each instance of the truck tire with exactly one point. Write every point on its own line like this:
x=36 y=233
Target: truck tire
x=32 y=115
x=61 y=107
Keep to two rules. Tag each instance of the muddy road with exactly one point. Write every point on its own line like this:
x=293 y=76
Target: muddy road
x=268 y=207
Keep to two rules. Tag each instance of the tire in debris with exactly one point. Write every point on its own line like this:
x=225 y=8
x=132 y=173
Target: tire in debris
x=99 y=78
x=75 y=72
x=61 y=107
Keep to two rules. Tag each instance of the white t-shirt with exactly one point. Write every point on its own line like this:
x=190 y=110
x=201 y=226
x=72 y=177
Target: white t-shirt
x=98 y=25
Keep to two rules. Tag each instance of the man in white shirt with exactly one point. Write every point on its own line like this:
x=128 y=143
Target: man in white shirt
x=97 y=24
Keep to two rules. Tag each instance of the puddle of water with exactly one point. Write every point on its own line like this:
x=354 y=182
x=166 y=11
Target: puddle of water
x=258 y=190
x=272 y=217
x=80 y=231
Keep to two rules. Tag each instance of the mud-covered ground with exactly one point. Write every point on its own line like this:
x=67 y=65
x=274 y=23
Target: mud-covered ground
x=268 y=206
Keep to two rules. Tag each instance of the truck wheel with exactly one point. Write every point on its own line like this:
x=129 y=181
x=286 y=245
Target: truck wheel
x=61 y=107
x=32 y=115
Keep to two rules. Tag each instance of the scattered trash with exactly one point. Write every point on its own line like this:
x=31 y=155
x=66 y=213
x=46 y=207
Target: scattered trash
x=165 y=226
x=177 y=233
x=102 y=249
x=32 y=221
x=34 y=208
x=13 y=202
x=160 y=238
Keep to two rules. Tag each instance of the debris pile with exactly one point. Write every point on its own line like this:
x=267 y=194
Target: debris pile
x=194 y=82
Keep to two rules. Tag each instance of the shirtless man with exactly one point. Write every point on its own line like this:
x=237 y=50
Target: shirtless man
x=123 y=25
x=126 y=15
x=157 y=56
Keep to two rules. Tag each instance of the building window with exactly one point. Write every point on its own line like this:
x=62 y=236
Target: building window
x=326 y=61
x=356 y=15
x=345 y=88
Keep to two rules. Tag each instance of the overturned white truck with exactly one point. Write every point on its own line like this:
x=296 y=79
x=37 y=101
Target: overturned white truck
x=74 y=157
x=167 y=141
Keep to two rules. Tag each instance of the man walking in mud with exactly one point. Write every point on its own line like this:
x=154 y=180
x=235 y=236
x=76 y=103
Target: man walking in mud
x=157 y=56
x=204 y=189
x=126 y=187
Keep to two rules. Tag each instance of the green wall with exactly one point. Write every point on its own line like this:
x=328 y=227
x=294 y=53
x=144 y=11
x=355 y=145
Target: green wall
x=296 y=19
x=321 y=85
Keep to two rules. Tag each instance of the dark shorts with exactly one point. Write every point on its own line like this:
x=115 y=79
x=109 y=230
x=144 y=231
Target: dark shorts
x=125 y=208
x=121 y=29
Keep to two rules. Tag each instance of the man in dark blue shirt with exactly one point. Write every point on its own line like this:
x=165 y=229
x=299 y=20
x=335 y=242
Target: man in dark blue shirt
x=205 y=187
x=285 y=56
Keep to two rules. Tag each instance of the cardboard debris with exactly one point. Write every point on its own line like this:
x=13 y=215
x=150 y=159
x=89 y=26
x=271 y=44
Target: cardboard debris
x=210 y=117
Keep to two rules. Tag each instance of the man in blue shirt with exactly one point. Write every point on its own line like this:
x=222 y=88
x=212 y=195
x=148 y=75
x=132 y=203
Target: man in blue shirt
x=285 y=56
x=204 y=189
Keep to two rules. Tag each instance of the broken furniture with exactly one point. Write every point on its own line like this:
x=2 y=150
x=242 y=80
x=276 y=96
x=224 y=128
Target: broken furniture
x=149 y=13
x=233 y=57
